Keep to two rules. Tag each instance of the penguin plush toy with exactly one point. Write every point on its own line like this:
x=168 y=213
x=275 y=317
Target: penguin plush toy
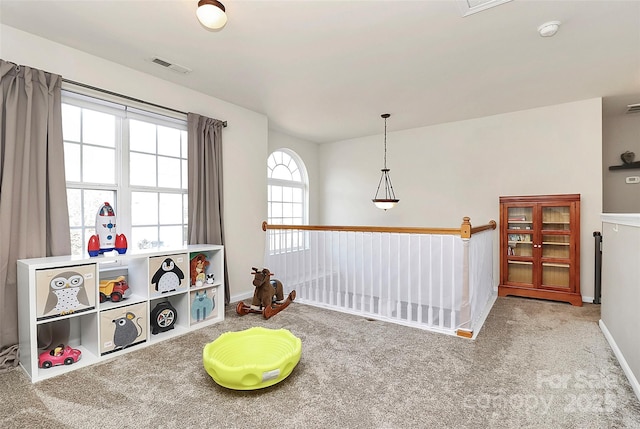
x=168 y=277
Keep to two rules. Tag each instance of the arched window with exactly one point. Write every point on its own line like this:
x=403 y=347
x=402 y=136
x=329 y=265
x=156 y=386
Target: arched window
x=286 y=195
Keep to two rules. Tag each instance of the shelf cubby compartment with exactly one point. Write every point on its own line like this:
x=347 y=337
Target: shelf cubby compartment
x=204 y=305
x=109 y=274
x=168 y=316
x=202 y=268
x=79 y=329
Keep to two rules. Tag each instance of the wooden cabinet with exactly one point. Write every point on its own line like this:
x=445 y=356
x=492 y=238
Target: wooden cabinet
x=540 y=247
x=109 y=305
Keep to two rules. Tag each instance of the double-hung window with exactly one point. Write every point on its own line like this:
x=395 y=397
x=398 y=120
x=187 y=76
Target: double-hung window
x=287 y=199
x=133 y=159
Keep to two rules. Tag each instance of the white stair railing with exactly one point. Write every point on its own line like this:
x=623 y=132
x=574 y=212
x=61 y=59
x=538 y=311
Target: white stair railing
x=436 y=279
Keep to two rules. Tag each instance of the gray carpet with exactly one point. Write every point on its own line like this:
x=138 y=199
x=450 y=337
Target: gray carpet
x=535 y=364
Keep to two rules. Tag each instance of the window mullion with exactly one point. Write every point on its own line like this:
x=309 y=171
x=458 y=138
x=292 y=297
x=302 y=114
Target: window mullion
x=124 y=185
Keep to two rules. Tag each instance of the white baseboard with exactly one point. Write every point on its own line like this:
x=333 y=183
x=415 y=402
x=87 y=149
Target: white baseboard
x=588 y=299
x=623 y=362
x=241 y=297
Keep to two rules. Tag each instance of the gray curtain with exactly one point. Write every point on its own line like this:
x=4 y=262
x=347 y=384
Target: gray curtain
x=206 y=206
x=34 y=220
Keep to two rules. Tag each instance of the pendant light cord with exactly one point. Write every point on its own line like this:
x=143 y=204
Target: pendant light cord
x=385 y=143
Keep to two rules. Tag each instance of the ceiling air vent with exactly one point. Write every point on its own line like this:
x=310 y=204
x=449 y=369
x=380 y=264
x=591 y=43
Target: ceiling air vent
x=175 y=67
x=633 y=108
x=469 y=7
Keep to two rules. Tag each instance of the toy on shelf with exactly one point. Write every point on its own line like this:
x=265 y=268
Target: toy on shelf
x=115 y=289
x=163 y=317
x=61 y=355
x=106 y=239
x=199 y=264
x=268 y=297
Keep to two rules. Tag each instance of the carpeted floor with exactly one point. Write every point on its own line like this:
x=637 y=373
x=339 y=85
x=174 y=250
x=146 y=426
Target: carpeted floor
x=535 y=364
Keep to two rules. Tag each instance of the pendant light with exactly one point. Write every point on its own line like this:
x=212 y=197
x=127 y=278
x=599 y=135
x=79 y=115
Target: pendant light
x=387 y=198
x=211 y=14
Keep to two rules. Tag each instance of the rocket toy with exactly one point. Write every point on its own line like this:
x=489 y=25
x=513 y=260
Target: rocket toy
x=106 y=239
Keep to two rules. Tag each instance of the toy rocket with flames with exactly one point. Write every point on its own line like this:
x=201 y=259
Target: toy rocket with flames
x=106 y=239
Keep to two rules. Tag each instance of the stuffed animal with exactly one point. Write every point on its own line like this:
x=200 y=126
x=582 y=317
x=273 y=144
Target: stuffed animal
x=199 y=264
x=267 y=291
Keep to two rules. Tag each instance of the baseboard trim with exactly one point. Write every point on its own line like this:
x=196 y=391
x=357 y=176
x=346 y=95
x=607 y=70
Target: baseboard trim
x=623 y=362
x=241 y=297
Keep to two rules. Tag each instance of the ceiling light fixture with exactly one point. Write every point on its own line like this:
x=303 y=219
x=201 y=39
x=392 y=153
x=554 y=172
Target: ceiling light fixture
x=387 y=200
x=211 y=14
x=549 y=29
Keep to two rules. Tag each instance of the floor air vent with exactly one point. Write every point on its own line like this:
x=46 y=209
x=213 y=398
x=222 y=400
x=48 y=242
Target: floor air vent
x=175 y=67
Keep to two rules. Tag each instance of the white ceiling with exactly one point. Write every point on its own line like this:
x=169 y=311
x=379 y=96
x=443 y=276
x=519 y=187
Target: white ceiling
x=325 y=70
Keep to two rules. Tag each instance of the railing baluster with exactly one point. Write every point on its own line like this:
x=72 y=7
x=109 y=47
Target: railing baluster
x=339 y=262
x=380 y=300
x=331 y=264
x=430 y=315
x=455 y=286
x=389 y=278
x=325 y=271
x=441 y=311
x=419 y=314
x=399 y=281
x=409 y=285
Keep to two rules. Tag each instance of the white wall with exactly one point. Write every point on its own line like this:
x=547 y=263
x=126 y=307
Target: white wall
x=444 y=172
x=308 y=152
x=620 y=318
x=244 y=140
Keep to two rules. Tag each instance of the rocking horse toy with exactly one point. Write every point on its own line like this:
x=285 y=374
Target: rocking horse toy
x=268 y=297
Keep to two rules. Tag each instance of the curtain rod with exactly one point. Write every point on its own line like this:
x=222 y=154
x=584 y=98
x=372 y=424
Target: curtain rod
x=84 y=85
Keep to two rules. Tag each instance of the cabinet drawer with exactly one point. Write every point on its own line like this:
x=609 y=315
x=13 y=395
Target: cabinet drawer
x=123 y=327
x=62 y=291
x=168 y=274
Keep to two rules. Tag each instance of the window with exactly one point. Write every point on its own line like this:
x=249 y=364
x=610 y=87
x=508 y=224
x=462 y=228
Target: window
x=287 y=198
x=136 y=161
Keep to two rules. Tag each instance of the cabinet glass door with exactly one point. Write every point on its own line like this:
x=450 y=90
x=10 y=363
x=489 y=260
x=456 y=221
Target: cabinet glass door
x=520 y=272
x=555 y=275
x=520 y=226
x=556 y=246
x=520 y=245
x=556 y=218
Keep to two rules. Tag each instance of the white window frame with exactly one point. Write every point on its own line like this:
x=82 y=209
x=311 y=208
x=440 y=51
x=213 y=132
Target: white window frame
x=303 y=185
x=122 y=188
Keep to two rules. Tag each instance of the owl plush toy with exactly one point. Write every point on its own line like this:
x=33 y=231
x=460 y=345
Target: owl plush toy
x=66 y=293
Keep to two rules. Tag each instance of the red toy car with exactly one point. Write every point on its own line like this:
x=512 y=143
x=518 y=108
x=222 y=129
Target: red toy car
x=58 y=356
